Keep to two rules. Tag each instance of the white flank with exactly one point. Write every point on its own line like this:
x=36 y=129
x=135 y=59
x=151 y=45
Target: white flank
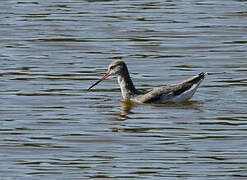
x=186 y=95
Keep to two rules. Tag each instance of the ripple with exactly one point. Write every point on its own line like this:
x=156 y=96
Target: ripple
x=51 y=126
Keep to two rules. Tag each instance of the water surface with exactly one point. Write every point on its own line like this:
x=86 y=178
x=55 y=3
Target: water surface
x=51 y=127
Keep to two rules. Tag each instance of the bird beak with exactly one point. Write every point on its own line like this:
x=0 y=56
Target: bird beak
x=102 y=79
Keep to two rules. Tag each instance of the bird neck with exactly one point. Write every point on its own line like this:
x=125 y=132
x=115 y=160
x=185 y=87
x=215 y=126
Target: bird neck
x=127 y=87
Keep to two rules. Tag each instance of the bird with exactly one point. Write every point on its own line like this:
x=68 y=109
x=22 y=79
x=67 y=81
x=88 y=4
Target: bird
x=176 y=93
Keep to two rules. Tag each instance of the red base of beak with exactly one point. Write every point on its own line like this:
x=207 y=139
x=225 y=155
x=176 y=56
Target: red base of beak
x=102 y=79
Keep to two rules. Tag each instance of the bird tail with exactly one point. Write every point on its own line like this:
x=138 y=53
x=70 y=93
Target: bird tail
x=196 y=79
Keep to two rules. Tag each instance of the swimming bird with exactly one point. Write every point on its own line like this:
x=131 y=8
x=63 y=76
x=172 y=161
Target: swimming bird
x=180 y=92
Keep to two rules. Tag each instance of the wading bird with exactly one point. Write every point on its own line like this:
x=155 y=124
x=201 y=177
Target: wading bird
x=180 y=92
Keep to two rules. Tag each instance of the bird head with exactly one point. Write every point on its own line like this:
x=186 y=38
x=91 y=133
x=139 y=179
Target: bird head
x=115 y=68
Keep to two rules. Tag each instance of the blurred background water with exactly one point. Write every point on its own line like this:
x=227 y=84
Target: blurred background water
x=51 y=127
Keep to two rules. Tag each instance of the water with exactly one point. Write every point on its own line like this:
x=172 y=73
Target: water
x=51 y=127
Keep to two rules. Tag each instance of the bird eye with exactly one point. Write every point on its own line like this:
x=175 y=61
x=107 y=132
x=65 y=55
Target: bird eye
x=112 y=67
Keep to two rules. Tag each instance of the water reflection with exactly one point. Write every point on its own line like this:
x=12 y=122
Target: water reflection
x=125 y=109
x=192 y=105
x=123 y=112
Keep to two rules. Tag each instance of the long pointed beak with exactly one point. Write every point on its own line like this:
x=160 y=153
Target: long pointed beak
x=102 y=79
